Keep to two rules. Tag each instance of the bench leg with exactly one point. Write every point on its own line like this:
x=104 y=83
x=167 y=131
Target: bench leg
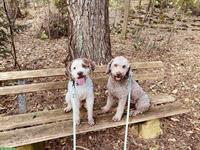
x=35 y=146
x=149 y=129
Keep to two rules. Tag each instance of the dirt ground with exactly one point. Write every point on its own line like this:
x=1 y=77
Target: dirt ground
x=181 y=57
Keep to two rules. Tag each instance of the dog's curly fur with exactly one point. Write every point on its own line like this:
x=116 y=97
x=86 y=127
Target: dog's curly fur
x=80 y=69
x=119 y=70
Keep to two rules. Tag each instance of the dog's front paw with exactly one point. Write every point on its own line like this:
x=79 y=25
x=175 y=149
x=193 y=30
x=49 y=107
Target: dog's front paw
x=116 y=118
x=67 y=109
x=91 y=122
x=105 y=109
x=134 y=112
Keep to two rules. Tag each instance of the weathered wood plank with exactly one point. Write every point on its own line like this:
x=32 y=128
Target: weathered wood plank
x=41 y=117
x=7 y=90
x=30 y=119
x=50 y=131
x=137 y=76
x=14 y=75
x=161 y=99
x=137 y=65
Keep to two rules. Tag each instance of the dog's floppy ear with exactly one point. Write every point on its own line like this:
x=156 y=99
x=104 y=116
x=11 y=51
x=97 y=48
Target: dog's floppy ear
x=89 y=63
x=68 y=70
x=108 y=67
x=129 y=72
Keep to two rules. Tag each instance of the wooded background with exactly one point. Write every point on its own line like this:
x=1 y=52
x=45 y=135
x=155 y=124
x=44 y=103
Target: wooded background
x=86 y=24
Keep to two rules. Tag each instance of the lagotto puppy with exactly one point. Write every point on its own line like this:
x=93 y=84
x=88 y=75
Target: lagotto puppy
x=117 y=85
x=79 y=71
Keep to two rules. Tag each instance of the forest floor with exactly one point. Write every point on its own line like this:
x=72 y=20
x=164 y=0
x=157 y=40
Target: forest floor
x=175 y=42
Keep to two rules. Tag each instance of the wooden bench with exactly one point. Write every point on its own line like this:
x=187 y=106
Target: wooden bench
x=28 y=128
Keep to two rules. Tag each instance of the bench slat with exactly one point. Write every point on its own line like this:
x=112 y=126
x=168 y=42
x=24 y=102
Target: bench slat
x=7 y=90
x=140 y=77
x=136 y=65
x=14 y=75
x=41 y=117
x=50 y=131
x=161 y=99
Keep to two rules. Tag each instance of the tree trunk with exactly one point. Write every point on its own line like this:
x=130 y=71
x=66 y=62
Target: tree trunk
x=49 y=14
x=14 y=10
x=25 y=4
x=89 y=32
x=139 y=4
x=126 y=14
x=34 y=4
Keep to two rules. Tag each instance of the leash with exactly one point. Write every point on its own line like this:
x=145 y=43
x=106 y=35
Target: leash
x=74 y=119
x=128 y=111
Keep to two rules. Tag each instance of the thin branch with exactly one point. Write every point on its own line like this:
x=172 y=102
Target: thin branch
x=139 y=5
x=12 y=35
x=81 y=147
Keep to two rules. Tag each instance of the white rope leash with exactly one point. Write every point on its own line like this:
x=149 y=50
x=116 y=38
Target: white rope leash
x=127 y=117
x=74 y=119
x=128 y=111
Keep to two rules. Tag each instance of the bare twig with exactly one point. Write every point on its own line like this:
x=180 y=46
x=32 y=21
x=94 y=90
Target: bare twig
x=139 y=5
x=172 y=29
x=81 y=147
x=34 y=4
x=12 y=35
x=144 y=20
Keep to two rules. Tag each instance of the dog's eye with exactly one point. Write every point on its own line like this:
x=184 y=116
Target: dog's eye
x=74 y=68
x=124 y=66
x=84 y=66
x=115 y=65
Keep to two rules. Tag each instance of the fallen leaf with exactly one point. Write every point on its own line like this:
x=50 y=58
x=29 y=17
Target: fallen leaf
x=175 y=119
x=172 y=140
x=175 y=91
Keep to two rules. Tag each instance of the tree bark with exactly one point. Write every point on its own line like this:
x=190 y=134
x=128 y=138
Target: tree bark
x=89 y=31
x=25 y=4
x=126 y=14
x=139 y=4
x=14 y=10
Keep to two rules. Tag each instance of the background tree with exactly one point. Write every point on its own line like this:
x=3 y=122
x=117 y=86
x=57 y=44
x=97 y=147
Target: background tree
x=126 y=13
x=4 y=35
x=55 y=23
x=25 y=3
x=14 y=10
x=185 y=5
x=89 y=32
x=11 y=24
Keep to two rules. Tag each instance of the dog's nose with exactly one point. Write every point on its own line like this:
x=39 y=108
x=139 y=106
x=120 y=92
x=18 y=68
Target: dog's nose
x=118 y=74
x=80 y=73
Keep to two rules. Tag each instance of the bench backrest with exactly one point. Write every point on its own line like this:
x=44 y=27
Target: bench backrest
x=35 y=74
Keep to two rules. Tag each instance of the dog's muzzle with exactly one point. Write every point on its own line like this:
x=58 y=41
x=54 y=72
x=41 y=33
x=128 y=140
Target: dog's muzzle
x=81 y=79
x=118 y=77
